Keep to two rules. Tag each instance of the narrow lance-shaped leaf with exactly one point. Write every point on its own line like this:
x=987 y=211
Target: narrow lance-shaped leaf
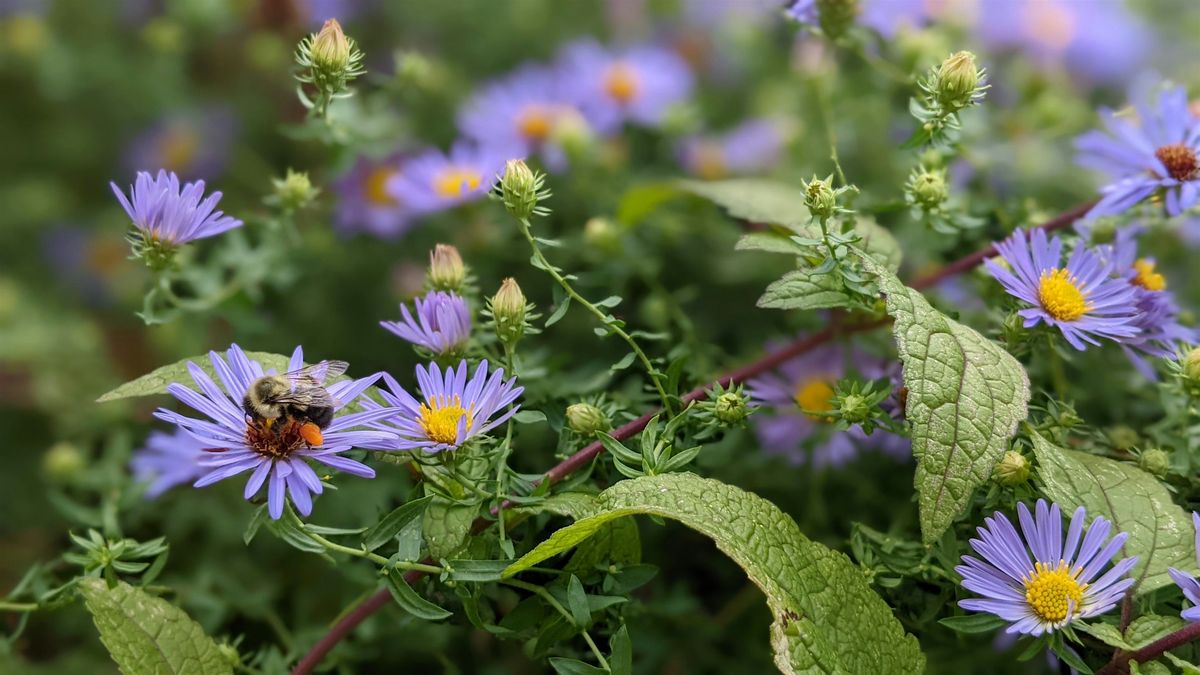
x=966 y=396
x=827 y=618
x=147 y=635
x=1161 y=534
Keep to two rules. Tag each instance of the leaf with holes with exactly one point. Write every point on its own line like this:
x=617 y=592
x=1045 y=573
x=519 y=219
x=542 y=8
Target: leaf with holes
x=827 y=618
x=1160 y=532
x=966 y=396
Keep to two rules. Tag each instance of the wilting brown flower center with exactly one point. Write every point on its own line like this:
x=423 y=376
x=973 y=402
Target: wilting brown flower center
x=1180 y=160
x=274 y=438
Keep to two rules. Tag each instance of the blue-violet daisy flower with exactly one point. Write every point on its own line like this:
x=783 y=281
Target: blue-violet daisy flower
x=433 y=180
x=521 y=111
x=1061 y=584
x=1187 y=582
x=752 y=146
x=638 y=84
x=364 y=202
x=235 y=443
x=163 y=212
x=442 y=323
x=1081 y=299
x=167 y=460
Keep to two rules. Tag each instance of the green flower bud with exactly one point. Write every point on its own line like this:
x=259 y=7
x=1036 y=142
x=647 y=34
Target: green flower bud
x=957 y=80
x=587 y=419
x=836 y=16
x=508 y=311
x=601 y=234
x=446 y=269
x=854 y=408
x=1012 y=470
x=230 y=654
x=1191 y=364
x=927 y=188
x=1156 y=461
x=1123 y=437
x=63 y=462
x=1104 y=230
x=730 y=408
x=820 y=197
x=331 y=48
x=572 y=133
x=293 y=192
x=520 y=188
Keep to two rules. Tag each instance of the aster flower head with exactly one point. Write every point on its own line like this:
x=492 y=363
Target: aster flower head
x=166 y=213
x=522 y=111
x=192 y=143
x=798 y=393
x=637 y=84
x=365 y=204
x=167 y=460
x=454 y=407
x=433 y=180
x=275 y=451
x=1187 y=582
x=442 y=323
x=1062 y=581
x=751 y=147
x=1080 y=298
x=1155 y=149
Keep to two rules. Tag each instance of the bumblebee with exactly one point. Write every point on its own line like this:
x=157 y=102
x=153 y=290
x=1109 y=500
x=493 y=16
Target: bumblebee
x=297 y=395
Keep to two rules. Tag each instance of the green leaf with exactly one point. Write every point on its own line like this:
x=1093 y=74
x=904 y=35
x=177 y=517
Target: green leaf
x=1160 y=532
x=574 y=667
x=803 y=289
x=577 y=602
x=1185 y=668
x=827 y=618
x=756 y=200
x=966 y=396
x=1151 y=668
x=156 y=381
x=1150 y=627
x=477 y=570
x=973 y=623
x=620 y=662
x=410 y=601
x=1106 y=633
x=391 y=524
x=446 y=527
x=149 y=635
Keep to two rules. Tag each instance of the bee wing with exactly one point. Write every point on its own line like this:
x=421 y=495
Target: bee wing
x=316 y=373
x=307 y=395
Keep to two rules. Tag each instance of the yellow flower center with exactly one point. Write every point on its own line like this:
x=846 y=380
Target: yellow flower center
x=710 y=161
x=621 y=82
x=376 y=188
x=439 y=418
x=815 y=395
x=535 y=122
x=1146 y=277
x=454 y=181
x=1052 y=591
x=1061 y=297
x=177 y=147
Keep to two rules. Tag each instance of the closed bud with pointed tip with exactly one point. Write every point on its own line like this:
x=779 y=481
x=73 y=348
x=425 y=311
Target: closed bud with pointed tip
x=820 y=197
x=520 y=188
x=446 y=269
x=508 y=311
x=957 y=80
x=331 y=48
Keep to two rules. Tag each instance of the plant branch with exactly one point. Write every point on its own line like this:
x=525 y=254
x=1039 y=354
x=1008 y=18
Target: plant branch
x=1120 y=663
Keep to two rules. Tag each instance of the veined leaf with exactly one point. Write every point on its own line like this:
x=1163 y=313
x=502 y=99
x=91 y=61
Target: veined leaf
x=1161 y=533
x=156 y=381
x=827 y=618
x=966 y=396
x=446 y=527
x=147 y=635
x=802 y=289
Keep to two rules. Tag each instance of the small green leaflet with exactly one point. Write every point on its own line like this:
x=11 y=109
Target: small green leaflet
x=966 y=396
x=411 y=601
x=446 y=527
x=156 y=381
x=147 y=635
x=391 y=524
x=827 y=618
x=1160 y=532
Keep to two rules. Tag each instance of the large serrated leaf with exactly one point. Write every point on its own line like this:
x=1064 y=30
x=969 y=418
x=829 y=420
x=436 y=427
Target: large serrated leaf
x=156 y=381
x=149 y=636
x=801 y=289
x=966 y=396
x=1160 y=532
x=827 y=618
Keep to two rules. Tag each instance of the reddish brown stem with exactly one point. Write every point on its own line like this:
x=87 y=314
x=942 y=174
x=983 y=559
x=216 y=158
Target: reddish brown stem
x=1120 y=663
x=582 y=458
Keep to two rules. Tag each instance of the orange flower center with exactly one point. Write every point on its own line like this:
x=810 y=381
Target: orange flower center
x=376 y=187
x=621 y=82
x=535 y=122
x=456 y=181
x=276 y=438
x=1180 y=160
x=815 y=395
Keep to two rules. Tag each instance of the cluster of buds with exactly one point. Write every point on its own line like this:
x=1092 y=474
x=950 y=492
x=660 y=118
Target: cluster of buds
x=292 y=192
x=328 y=61
x=522 y=190
x=510 y=312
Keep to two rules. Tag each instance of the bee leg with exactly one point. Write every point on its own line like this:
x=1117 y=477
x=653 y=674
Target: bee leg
x=311 y=434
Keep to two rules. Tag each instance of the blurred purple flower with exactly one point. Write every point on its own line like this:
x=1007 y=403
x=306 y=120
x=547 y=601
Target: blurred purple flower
x=885 y=17
x=86 y=260
x=433 y=180
x=364 y=202
x=637 y=84
x=1188 y=583
x=193 y=143
x=164 y=212
x=807 y=382
x=315 y=12
x=521 y=111
x=235 y=444
x=167 y=460
x=751 y=147
x=442 y=323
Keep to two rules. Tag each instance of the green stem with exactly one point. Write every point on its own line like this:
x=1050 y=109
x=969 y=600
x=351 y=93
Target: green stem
x=18 y=606
x=826 y=108
x=545 y=595
x=825 y=238
x=1058 y=372
x=502 y=464
x=376 y=558
x=597 y=312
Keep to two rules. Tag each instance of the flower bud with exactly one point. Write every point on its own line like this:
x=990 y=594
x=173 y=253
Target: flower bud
x=572 y=133
x=520 y=189
x=293 y=192
x=1123 y=437
x=508 y=311
x=587 y=419
x=730 y=408
x=331 y=48
x=836 y=16
x=1191 y=365
x=63 y=462
x=927 y=188
x=602 y=235
x=1012 y=470
x=854 y=408
x=957 y=79
x=1156 y=461
x=446 y=269
x=820 y=197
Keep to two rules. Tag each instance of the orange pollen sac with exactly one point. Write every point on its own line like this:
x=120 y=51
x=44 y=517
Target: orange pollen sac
x=621 y=82
x=311 y=434
x=1180 y=160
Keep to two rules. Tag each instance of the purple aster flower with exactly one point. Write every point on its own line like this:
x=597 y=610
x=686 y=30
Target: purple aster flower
x=366 y=205
x=1188 y=583
x=1156 y=151
x=453 y=409
x=807 y=383
x=521 y=111
x=1081 y=299
x=167 y=460
x=193 y=143
x=315 y=12
x=234 y=443
x=442 y=324
x=163 y=212
x=433 y=180
x=1059 y=585
x=753 y=146
x=803 y=11
x=638 y=84
x=883 y=16
x=90 y=262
